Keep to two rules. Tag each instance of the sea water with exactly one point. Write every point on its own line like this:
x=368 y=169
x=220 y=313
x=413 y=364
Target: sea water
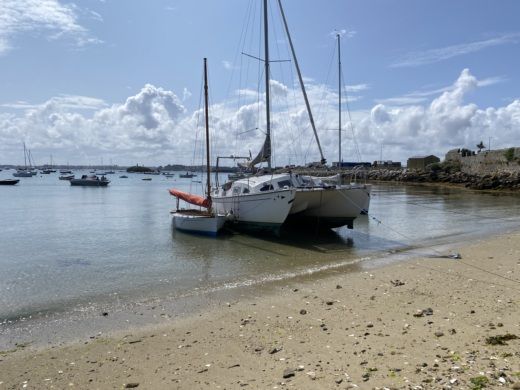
x=66 y=249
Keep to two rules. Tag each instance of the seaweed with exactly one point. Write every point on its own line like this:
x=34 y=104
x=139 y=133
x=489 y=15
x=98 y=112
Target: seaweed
x=501 y=339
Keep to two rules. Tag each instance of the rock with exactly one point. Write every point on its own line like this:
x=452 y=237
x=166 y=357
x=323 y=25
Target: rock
x=338 y=381
x=338 y=286
x=312 y=375
x=424 y=312
x=104 y=314
x=274 y=350
x=397 y=283
x=131 y=385
x=329 y=303
x=289 y=372
x=516 y=386
x=439 y=334
x=303 y=312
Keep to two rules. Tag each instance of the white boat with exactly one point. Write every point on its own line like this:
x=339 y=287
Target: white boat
x=316 y=204
x=257 y=203
x=207 y=221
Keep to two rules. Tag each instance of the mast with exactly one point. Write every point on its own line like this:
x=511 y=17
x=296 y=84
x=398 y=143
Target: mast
x=311 y=118
x=24 y=156
x=339 y=99
x=206 y=114
x=267 y=97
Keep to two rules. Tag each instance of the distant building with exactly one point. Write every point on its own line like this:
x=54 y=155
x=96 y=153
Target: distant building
x=421 y=162
x=350 y=164
x=387 y=164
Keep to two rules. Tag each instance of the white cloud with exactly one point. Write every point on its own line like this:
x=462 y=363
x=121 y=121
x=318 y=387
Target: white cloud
x=50 y=17
x=152 y=127
x=440 y=54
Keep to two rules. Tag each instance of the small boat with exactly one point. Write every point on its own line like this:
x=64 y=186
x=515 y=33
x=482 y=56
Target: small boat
x=205 y=220
x=65 y=171
x=66 y=177
x=90 y=181
x=187 y=175
x=9 y=182
x=147 y=179
x=24 y=173
x=123 y=177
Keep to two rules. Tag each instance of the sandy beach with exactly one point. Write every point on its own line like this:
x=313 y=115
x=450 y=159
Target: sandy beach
x=424 y=323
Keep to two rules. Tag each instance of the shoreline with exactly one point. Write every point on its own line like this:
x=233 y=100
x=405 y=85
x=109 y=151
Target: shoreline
x=339 y=330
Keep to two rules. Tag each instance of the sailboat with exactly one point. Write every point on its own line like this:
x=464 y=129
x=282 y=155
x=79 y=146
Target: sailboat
x=205 y=221
x=258 y=203
x=316 y=203
x=25 y=172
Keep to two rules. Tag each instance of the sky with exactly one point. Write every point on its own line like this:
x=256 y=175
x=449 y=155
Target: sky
x=119 y=81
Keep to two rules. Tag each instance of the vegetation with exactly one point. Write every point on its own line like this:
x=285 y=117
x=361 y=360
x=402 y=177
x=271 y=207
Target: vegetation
x=509 y=154
x=479 y=382
x=139 y=169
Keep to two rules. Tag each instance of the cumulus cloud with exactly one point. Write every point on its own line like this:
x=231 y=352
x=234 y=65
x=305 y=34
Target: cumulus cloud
x=48 y=17
x=446 y=122
x=153 y=127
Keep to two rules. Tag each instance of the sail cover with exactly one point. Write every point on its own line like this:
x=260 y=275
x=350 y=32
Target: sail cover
x=196 y=200
x=264 y=154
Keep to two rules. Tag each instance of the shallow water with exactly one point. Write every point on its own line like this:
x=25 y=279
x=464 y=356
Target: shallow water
x=69 y=248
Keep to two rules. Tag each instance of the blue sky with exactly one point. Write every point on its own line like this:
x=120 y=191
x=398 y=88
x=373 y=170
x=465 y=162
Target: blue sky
x=121 y=80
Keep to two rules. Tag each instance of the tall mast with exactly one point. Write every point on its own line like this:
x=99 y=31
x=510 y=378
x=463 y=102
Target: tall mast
x=266 y=64
x=311 y=118
x=339 y=98
x=206 y=114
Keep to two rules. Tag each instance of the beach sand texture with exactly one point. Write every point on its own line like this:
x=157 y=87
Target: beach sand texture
x=425 y=323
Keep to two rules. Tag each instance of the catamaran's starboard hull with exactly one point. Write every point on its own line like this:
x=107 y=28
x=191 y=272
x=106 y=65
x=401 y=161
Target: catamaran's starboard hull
x=329 y=207
x=198 y=224
x=256 y=212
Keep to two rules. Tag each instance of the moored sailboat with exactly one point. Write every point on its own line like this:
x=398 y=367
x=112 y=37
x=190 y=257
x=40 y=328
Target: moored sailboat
x=207 y=221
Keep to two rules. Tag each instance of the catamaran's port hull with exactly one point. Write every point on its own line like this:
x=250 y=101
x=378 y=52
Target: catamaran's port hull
x=265 y=211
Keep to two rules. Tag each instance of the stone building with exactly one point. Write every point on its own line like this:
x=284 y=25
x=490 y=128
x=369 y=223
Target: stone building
x=421 y=162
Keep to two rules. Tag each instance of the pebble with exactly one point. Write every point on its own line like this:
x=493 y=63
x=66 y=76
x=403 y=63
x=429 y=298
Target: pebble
x=303 y=311
x=289 y=372
x=131 y=385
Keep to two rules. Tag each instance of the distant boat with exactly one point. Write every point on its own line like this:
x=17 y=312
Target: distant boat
x=65 y=171
x=90 y=181
x=8 y=182
x=147 y=179
x=199 y=221
x=67 y=177
x=24 y=172
x=123 y=177
x=187 y=175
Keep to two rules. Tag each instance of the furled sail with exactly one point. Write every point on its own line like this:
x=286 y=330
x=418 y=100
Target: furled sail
x=264 y=154
x=196 y=200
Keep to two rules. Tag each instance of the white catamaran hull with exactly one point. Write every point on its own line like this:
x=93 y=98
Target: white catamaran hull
x=329 y=207
x=199 y=224
x=265 y=211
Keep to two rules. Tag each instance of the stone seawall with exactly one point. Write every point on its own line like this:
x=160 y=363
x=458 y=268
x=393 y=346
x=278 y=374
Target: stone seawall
x=487 y=162
x=496 y=181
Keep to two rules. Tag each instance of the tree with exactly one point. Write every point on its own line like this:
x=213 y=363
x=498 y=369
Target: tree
x=480 y=146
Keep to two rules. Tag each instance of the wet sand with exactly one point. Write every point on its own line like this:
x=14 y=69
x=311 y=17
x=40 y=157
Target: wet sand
x=425 y=323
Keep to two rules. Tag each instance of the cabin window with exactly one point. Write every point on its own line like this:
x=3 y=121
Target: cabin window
x=245 y=191
x=284 y=183
x=267 y=187
x=236 y=191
